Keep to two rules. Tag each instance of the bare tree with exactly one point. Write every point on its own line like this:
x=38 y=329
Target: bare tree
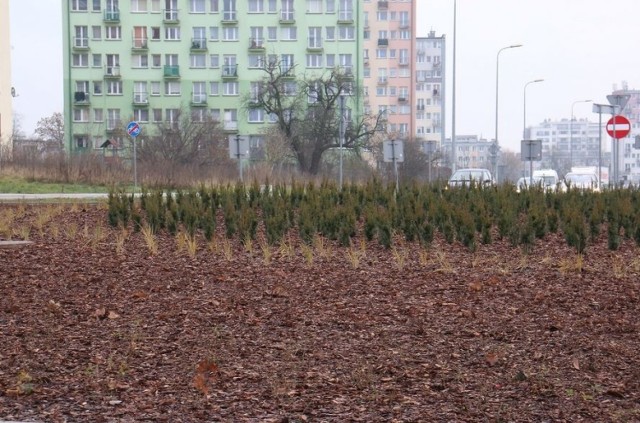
x=51 y=129
x=307 y=112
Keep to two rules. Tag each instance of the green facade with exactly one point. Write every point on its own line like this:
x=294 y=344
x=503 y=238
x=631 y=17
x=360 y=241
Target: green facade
x=146 y=60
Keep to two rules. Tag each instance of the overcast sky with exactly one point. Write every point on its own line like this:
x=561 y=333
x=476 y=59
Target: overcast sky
x=581 y=48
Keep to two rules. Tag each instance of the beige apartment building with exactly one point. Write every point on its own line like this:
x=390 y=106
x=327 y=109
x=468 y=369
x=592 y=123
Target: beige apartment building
x=389 y=61
x=6 y=113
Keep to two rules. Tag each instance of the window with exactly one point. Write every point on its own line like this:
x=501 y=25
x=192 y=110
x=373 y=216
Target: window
x=113 y=118
x=214 y=88
x=230 y=88
x=288 y=33
x=256 y=61
x=331 y=6
x=215 y=114
x=79 y=5
x=382 y=15
x=199 y=92
x=81 y=38
x=198 y=60
x=214 y=61
x=196 y=6
x=345 y=12
x=156 y=60
x=156 y=115
x=314 y=6
x=214 y=33
x=331 y=33
x=113 y=64
x=172 y=88
x=140 y=37
x=214 y=6
x=96 y=60
x=112 y=5
x=314 y=34
x=98 y=115
x=155 y=88
x=256 y=6
x=331 y=60
x=140 y=61
x=254 y=91
x=80 y=60
x=155 y=33
x=272 y=6
x=96 y=32
x=96 y=5
x=272 y=33
x=171 y=59
x=114 y=87
x=256 y=115
x=171 y=116
x=112 y=33
x=138 y=6
x=286 y=62
x=290 y=88
x=141 y=115
x=381 y=53
x=230 y=33
x=172 y=33
x=346 y=33
x=97 y=87
x=230 y=118
x=229 y=10
x=140 y=94
x=314 y=60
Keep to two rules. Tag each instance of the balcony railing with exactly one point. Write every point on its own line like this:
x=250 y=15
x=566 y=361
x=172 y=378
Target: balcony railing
x=402 y=98
x=141 y=98
x=287 y=71
x=383 y=42
x=256 y=43
x=314 y=43
x=420 y=107
x=230 y=71
x=347 y=71
x=230 y=16
x=382 y=80
x=198 y=99
x=198 y=44
x=403 y=61
x=230 y=125
x=404 y=24
x=113 y=125
x=80 y=43
x=80 y=98
x=383 y=5
x=287 y=16
x=140 y=44
x=112 y=15
x=112 y=71
x=345 y=16
x=172 y=71
x=171 y=15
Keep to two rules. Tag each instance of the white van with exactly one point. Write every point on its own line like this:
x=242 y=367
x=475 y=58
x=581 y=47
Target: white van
x=548 y=178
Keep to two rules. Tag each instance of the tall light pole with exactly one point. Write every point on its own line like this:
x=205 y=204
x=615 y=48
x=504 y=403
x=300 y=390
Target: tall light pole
x=571 y=131
x=454 y=156
x=524 y=120
x=497 y=72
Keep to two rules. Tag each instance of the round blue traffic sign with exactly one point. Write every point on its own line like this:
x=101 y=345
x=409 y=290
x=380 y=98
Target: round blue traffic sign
x=133 y=129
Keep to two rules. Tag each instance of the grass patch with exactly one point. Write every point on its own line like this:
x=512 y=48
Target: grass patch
x=15 y=185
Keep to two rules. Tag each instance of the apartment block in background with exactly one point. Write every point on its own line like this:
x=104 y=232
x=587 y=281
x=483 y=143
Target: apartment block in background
x=389 y=60
x=6 y=111
x=429 y=92
x=148 y=60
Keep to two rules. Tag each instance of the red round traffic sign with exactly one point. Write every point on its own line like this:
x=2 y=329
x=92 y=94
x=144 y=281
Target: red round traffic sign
x=618 y=127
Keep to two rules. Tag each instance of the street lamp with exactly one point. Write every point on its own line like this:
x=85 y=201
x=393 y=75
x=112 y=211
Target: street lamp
x=497 y=72
x=453 y=96
x=524 y=120
x=571 y=131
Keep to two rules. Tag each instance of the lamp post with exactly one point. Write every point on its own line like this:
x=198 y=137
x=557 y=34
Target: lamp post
x=453 y=96
x=571 y=131
x=497 y=72
x=524 y=120
x=342 y=130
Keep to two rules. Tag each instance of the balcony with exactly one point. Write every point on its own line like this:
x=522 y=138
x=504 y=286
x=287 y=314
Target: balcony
x=141 y=99
x=80 y=98
x=230 y=71
x=345 y=16
x=80 y=43
x=230 y=125
x=113 y=125
x=420 y=107
x=383 y=42
x=404 y=25
x=287 y=71
x=198 y=100
x=171 y=71
x=403 y=98
x=112 y=71
x=170 y=16
x=314 y=43
x=230 y=17
x=287 y=16
x=382 y=80
x=403 y=61
x=256 y=43
x=198 y=44
x=347 y=71
x=383 y=5
x=140 y=44
x=112 y=15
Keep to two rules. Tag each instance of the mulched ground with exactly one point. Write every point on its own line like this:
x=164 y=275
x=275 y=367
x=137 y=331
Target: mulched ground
x=90 y=333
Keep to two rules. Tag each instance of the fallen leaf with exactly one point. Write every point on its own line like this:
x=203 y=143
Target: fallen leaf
x=576 y=364
x=100 y=313
x=113 y=315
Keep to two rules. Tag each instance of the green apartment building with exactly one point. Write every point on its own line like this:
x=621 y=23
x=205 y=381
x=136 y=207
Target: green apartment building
x=150 y=60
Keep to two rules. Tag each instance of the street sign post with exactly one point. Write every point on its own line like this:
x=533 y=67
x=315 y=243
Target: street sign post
x=238 y=149
x=133 y=129
x=530 y=151
x=393 y=151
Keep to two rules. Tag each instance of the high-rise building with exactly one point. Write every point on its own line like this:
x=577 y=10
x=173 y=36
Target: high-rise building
x=389 y=60
x=629 y=148
x=150 y=60
x=429 y=77
x=6 y=114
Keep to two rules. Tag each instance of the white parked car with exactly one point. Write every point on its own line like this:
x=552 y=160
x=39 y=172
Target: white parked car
x=582 y=181
x=471 y=176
